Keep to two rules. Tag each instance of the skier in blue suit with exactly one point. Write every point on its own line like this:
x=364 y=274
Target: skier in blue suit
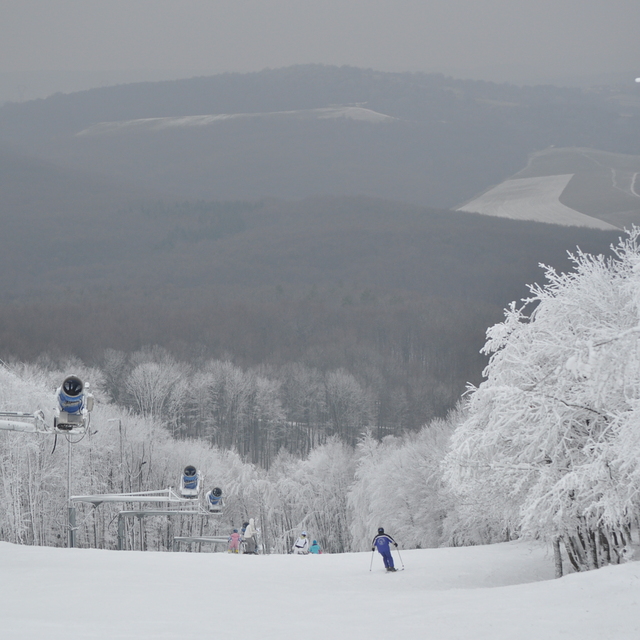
x=382 y=542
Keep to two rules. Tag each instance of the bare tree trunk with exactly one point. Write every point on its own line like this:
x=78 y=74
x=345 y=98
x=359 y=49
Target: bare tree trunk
x=600 y=551
x=592 y=554
x=557 y=557
x=605 y=546
x=575 y=551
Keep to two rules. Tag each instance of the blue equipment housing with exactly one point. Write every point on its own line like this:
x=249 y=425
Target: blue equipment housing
x=71 y=396
x=190 y=482
x=214 y=500
x=74 y=406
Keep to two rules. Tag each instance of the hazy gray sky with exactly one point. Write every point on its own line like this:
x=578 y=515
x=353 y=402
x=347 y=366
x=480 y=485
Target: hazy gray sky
x=496 y=39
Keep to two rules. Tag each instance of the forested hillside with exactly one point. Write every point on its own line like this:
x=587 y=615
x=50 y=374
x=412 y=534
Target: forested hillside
x=445 y=140
x=546 y=447
x=186 y=234
x=279 y=301
x=397 y=296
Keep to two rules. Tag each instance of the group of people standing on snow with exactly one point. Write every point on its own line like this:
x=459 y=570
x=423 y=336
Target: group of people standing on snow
x=247 y=536
x=301 y=545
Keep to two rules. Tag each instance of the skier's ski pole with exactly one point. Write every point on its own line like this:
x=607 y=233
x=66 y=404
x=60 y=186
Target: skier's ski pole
x=371 y=563
x=399 y=556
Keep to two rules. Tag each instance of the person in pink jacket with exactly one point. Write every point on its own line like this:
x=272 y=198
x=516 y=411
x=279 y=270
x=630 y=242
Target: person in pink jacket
x=234 y=542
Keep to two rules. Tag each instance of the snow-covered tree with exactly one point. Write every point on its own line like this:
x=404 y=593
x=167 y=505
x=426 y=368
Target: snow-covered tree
x=348 y=405
x=551 y=444
x=229 y=415
x=311 y=494
x=303 y=400
x=399 y=485
x=324 y=480
x=150 y=384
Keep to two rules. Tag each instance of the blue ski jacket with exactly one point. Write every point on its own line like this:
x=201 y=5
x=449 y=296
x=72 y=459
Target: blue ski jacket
x=382 y=542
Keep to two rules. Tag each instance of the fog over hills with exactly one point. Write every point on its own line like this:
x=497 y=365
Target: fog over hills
x=397 y=294
x=292 y=215
x=435 y=141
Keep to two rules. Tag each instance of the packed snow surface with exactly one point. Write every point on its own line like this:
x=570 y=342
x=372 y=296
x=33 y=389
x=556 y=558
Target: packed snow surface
x=160 y=124
x=533 y=199
x=496 y=592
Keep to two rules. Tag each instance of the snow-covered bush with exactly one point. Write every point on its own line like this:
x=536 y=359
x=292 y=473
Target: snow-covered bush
x=311 y=495
x=551 y=444
x=399 y=486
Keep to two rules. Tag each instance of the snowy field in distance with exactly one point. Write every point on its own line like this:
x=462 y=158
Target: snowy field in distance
x=497 y=592
x=534 y=199
x=159 y=124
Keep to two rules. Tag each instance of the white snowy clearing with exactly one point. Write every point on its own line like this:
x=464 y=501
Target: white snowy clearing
x=534 y=199
x=159 y=124
x=497 y=592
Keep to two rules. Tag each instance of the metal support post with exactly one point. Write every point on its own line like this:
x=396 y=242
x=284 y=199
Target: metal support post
x=120 y=532
x=72 y=526
x=71 y=510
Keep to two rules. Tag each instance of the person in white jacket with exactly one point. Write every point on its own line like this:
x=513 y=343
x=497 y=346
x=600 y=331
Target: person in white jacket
x=301 y=546
x=250 y=537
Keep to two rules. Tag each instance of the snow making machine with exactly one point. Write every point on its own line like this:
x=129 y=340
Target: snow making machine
x=190 y=482
x=74 y=406
x=71 y=414
x=214 y=501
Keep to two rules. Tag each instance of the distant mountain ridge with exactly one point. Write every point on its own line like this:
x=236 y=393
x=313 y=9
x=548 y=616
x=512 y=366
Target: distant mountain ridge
x=292 y=236
x=445 y=140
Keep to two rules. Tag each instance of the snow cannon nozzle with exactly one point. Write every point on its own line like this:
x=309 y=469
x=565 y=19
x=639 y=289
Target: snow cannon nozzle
x=71 y=396
x=73 y=386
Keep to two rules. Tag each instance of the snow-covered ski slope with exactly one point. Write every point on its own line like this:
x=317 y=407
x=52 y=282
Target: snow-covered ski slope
x=536 y=198
x=497 y=592
x=159 y=124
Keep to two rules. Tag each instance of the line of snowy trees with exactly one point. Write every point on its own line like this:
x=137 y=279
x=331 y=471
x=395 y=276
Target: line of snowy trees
x=256 y=411
x=550 y=447
x=339 y=493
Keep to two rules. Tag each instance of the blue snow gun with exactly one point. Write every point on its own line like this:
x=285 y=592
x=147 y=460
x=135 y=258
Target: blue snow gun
x=74 y=406
x=190 y=482
x=214 y=500
x=71 y=396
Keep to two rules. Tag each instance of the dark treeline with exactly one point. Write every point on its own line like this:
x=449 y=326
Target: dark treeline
x=191 y=252
x=407 y=362
x=259 y=411
x=372 y=313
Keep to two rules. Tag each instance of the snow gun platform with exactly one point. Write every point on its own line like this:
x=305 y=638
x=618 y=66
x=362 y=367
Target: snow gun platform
x=161 y=496
x=23 y=422
x=191 y=540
